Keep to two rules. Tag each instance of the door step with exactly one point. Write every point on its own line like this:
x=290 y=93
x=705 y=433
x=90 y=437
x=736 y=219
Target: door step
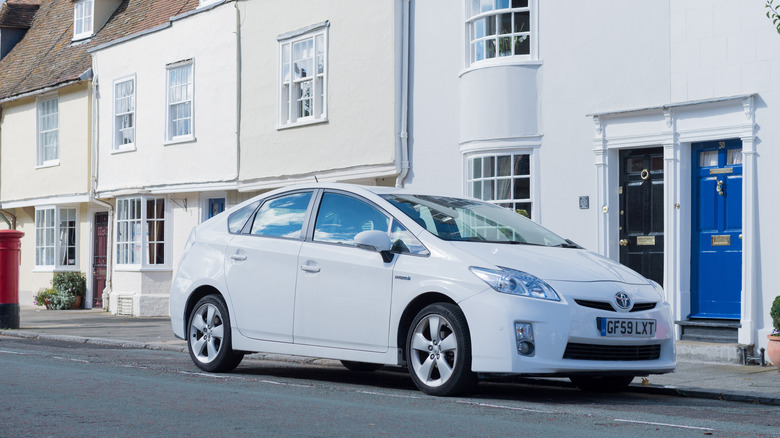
x=718 y=331
x=709 y=352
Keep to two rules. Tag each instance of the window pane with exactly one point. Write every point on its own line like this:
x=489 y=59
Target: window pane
x=734 y=157
x=522 y=45
x=522 y=166
x=522 y=188
x=504 y=165
x=708 y=158
x=522 y=21
x=477 y=168
x=519 y=3
x=486 y=5
x=282 y=217
x=505 y=46
x=340 y=218
x=491 y=48
x=502 y=4
x=489 y=166
x=505 y=23
x=504 y=189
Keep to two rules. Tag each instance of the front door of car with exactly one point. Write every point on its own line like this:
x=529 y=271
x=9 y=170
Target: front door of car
x=344 y=292
x=261 y=265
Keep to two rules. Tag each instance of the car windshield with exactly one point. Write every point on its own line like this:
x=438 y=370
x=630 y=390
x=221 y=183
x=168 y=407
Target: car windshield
x=468 y=220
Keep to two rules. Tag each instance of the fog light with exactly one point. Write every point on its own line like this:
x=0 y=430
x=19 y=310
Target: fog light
x=524 y=334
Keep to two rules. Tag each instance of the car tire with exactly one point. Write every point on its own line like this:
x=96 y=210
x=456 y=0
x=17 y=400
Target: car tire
x=361 y=367
x=601 y=383
x=438 y=351
x=209 y=337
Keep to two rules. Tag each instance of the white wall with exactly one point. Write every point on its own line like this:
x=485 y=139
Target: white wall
x=362 y=95
x=19 y=177
x=208 y=39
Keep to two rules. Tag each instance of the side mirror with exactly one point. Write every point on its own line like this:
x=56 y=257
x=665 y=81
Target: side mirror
x=377 y=241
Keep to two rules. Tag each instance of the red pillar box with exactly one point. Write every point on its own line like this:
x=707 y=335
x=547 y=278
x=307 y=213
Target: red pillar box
x=10 y=257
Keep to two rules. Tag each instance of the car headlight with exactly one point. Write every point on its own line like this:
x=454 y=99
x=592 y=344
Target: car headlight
x=513 y=282
x=658 y=289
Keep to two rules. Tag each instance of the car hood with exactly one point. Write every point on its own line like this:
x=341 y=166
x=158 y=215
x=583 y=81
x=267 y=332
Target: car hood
x=553 y=264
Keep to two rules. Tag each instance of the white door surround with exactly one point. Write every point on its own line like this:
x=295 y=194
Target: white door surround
x=675 y=127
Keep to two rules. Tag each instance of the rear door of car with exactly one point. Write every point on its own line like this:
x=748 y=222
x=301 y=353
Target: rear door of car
x=344 y=292
x=261 y=265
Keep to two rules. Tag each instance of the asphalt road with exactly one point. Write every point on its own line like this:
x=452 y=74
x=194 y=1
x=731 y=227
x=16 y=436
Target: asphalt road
x=65 y=389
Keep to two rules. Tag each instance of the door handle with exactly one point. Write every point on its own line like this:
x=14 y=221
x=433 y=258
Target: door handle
x=310 y=268
x=623 y=242
x=238 y=257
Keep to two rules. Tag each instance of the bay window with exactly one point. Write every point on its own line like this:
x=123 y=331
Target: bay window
x=500 y=29
x=56 y=237
x=141 y=232
x=503 y=179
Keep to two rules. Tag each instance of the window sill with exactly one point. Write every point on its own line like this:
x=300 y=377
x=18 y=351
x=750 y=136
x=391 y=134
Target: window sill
x=305 y=122
x=124 y=149
x=81 y=37
x=507 y=62
x=46 y=164
x=180 y=140
x=139 y=268
x=46 y=269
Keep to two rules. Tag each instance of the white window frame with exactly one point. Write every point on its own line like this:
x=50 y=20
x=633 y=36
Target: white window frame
x=532 y=177
x=171 y=137
x=118 y=146
x=289 y=111
x=44 y=129
x=139 y=245
x=83 y=19
x=55 y=244
x=471 y=19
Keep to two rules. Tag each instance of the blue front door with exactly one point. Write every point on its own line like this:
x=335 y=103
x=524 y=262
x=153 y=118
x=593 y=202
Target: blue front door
x=716 y=259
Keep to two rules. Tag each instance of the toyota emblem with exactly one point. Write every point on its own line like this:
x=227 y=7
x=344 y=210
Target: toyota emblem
x=623 y=300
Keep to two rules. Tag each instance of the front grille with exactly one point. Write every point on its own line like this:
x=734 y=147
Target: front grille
x=612 y=352
x=603 y=305
x=638 y=307
x=596 y=305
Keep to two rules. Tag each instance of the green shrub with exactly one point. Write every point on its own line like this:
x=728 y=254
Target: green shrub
x=774 y=313
x=62 y=300
x=73 y=282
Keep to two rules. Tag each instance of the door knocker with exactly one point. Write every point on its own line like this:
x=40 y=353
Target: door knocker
x=645 y=174
x=719 y=188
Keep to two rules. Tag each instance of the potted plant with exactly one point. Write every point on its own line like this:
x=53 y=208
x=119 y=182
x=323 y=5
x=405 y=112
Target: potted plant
x=43 y=297
x=72 y=284
x=773 y=348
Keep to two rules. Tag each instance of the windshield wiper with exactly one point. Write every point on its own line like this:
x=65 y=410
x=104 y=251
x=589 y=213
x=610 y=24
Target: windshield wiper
x=568 y=244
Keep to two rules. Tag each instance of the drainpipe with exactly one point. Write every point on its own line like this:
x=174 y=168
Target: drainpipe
x=93 y=184
x=403 y=136
x=238 y=91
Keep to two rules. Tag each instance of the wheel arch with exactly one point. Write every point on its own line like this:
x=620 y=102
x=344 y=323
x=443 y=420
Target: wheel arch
x=412 y=309
x=195 y=296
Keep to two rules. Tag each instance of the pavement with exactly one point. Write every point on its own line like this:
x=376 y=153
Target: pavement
x=751 y=384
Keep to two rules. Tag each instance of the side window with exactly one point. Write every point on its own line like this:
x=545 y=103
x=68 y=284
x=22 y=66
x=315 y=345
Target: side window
x=238 y=219
x=341 y=218
x=282 y=217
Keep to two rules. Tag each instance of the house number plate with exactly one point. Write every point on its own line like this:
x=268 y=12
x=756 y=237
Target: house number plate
x=724 y=240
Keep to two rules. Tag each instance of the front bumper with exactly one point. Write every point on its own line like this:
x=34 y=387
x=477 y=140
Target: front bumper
x=558 y=325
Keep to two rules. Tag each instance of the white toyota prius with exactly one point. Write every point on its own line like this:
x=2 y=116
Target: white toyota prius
x=455 y=289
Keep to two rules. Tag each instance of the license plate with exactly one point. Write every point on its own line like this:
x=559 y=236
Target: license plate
x=626 y=327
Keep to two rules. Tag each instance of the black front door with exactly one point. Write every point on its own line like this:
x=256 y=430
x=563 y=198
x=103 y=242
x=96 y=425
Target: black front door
x=642 y=211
